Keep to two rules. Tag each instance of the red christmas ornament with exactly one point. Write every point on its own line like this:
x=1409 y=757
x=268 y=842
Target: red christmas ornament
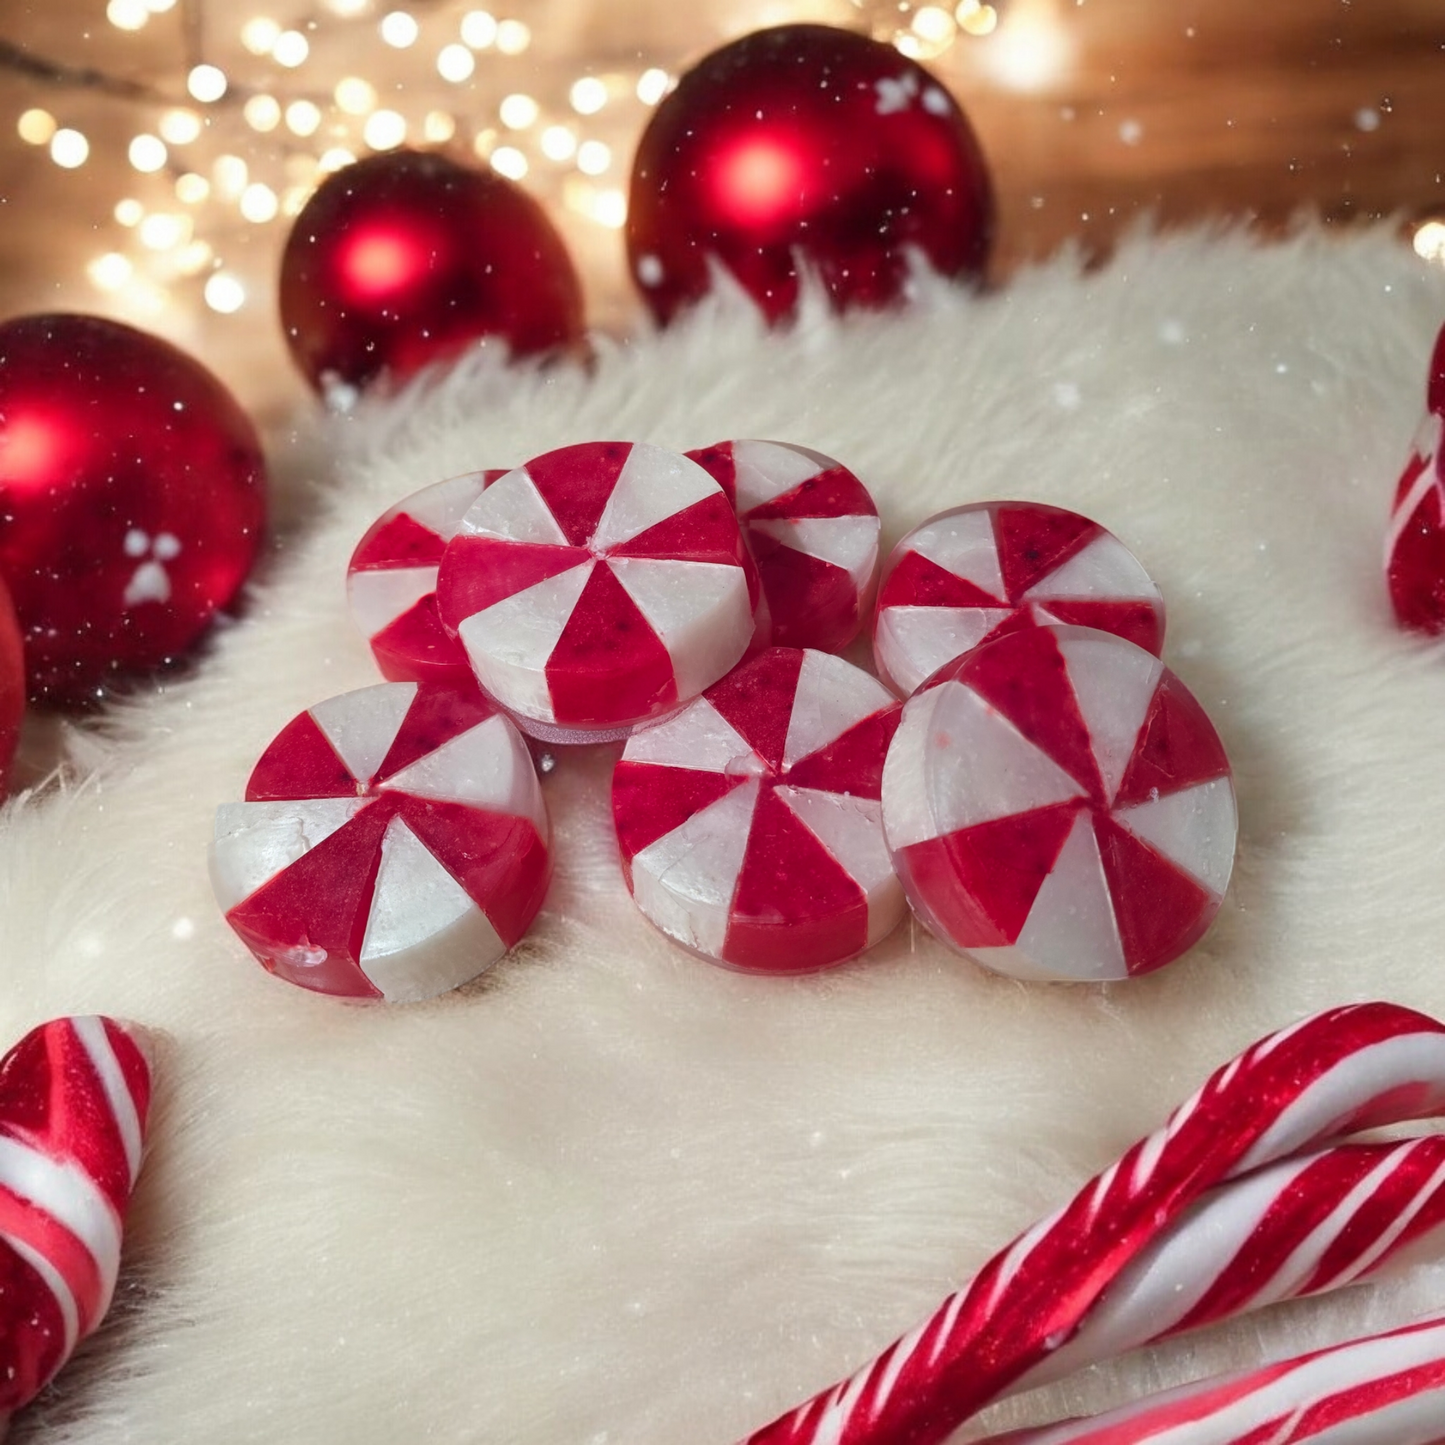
x=805 y=142
x=132 y=499
x=12 y=686
x=407 y=258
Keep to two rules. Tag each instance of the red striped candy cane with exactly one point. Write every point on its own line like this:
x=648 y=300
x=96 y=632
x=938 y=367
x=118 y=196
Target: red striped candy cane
x=74 y=1096
x=1387 y=1389
x=1334 y=1074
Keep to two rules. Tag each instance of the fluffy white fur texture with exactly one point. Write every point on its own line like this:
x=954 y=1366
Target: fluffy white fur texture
x=609 y=1195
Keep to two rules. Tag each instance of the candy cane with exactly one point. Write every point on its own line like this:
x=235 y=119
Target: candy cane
x=1387 y=1389
x=74 y=1095
x=1339 y=1072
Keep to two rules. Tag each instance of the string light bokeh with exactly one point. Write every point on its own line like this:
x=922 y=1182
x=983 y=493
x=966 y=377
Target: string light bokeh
x=250 y=127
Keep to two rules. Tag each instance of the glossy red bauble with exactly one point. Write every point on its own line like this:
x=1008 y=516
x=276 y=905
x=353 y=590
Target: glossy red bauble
x=132 y=499
x=805 y=144
x=407 y=258
x=12 y=686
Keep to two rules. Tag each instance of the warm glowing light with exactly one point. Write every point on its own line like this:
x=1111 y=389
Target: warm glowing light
x=384 y=130
x=610 y=208
x=455 y=63
x=379 y=262
x=68 y=148
x=161 y=230
x=260 y=34
x=907 y=43
x=348 y=7
x=399 y=30
x=652 y=85
x=977 y=19
x=147 y=153
x=206 y=83
x=224 y=293
x=293 y=200
x=760 y=180
x=934 y=24
x=1029 y=51
x=588 y=95
x=192 y=189
x=593 y=157
x=291 y=49
x=159 y=7
x=355 y=96
x=518 y=111
x=510 y=162
x=129 y=212
x=513 y=37
x=337 y=158
x=303 y=118
x=438 y=126
x=484 y=141
x=479 y=30
x=263 y=112
x=180 y=127
x=558 y=143
x=1429 y=241
x=109 y=272
x=127 y=14
x=193 y=258
x=36 y=127
x=259 y=203
x=229 y=175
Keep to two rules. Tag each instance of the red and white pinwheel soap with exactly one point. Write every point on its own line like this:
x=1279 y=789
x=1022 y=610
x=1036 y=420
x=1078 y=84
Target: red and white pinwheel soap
x=392 y=577
x=1059 y=806
x=597 y=587
x=393 y=844
x=812 y=529
x=750 y=823
x=975 y=572
x=1415 y=542
x=74 y=1100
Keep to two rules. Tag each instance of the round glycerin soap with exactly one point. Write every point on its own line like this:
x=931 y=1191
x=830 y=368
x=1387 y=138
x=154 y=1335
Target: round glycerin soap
x=751 y=824
x=598 y=587
x=977 y=571
x=393 y=844
x=392 y=577
x=1058 y=806
x=812 y=528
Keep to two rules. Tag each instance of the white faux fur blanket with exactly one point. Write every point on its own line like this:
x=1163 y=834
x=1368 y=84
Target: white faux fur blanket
x=609 y=1195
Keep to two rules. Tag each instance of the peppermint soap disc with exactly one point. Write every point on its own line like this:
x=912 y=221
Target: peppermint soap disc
x=977 y=571
x=751 y=824
x=392 y=845
x=598 y=587
x=392 y=577
x=812 y=529
x=1058 y=806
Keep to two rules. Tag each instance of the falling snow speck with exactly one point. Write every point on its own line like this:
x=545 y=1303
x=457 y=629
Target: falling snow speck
x=1367 y=118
